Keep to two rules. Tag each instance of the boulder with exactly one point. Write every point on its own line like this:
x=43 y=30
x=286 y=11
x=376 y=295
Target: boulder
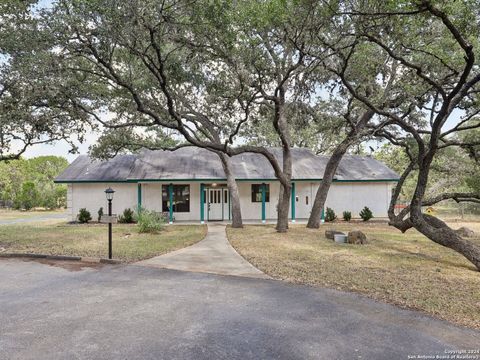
x=329 y=234
x=356 y=237
x=465 y=232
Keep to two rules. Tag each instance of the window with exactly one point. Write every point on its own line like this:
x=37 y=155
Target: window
x=181 y=198
x=215 y=196
x=257 y=192
x=225 y=199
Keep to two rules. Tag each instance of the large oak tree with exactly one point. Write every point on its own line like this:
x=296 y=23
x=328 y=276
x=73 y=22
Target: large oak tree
x=198 y=68
x=34 y=95
x=435 y=48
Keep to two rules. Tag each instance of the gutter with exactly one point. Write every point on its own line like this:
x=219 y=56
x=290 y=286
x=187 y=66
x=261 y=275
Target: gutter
x=135 y=181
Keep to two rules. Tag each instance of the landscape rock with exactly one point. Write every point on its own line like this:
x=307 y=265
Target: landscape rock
x=329 y=234
x=356 y=237
x=465 y=232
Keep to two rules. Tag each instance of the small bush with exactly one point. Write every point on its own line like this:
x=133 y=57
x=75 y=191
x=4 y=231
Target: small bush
x=366 y=214
x=100 y=213
x=149 y=221
x=127 y=217
x=84 y=216
x=347 y=215
x=330 y=215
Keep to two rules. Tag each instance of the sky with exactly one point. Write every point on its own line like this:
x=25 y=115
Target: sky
x=61 y=148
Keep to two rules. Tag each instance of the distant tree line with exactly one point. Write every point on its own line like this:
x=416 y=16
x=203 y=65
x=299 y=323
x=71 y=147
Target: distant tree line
x=452 y=171
x=28 y=183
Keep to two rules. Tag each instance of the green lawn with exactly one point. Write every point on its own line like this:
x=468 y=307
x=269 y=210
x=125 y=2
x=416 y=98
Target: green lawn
x=91 y=240
x=405 y=269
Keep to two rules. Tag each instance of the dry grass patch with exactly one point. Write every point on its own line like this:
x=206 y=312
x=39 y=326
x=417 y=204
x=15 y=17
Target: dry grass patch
x=405 y=269
x=91 y=240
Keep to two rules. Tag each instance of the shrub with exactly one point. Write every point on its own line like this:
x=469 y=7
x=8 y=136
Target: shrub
x=100 y=213
x=366 y=214
x=347 y=215
x=149 y=221
x=330 y=215
x=84 y=216
x=127 y=217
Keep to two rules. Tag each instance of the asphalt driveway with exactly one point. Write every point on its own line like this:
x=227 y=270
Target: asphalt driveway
x=134 y=312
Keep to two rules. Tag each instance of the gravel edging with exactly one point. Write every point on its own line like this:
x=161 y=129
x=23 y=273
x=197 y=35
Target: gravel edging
x=60 y=257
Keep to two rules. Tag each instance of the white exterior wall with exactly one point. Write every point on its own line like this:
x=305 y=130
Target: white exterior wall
x=342 y=196
x=304 y=196
x=356 y=195
x=253 y=210
x=92 y=196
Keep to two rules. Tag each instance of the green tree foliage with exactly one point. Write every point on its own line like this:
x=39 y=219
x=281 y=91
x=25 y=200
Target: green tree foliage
x=28 y=196
x=34 y=105
x=451 y=171
x=319 y=127
x=347 y=215
x=18 y=176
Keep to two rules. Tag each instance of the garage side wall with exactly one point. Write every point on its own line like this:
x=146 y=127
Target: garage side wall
x=353 y=196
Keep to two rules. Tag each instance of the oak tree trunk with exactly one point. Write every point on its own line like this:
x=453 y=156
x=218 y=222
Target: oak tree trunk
x=322 y=192
x=432 y=227
x=282 y=208
x=233 y=190
x=285 y=192
x=440 y=233
x=331 y=168
x=435 y=229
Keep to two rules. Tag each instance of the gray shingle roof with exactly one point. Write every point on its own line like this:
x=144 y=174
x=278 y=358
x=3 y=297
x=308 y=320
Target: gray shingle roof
x=194 y=163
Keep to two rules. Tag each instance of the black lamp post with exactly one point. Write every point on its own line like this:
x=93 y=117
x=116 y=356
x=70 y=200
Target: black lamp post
x=109 y=193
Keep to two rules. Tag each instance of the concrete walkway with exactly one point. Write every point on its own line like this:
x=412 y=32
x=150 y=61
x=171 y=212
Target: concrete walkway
x=214 y=254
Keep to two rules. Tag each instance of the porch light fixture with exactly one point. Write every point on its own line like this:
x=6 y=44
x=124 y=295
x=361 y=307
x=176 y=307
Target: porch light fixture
x=109 y=194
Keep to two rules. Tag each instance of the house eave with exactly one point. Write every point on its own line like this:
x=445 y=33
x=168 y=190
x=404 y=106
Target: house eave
x=210 y=180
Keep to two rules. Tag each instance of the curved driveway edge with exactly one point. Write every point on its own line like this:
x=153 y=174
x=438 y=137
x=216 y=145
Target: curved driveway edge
x=214 y=254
